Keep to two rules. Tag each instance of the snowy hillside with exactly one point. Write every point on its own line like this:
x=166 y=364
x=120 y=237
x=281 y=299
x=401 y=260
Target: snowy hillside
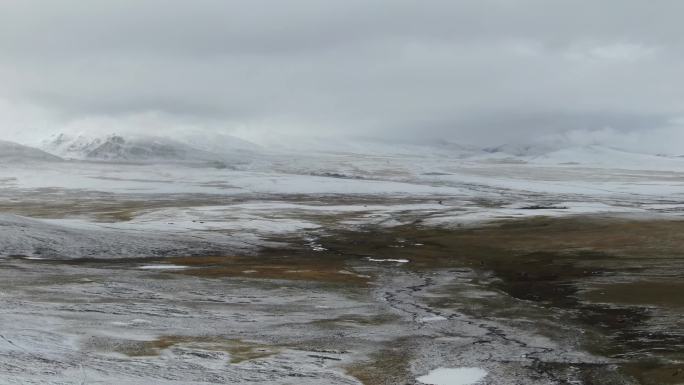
x=365 y=146
x=607 y=157
x=218 y=143
x=521 y=150
x=56 y=239
x=13 y=152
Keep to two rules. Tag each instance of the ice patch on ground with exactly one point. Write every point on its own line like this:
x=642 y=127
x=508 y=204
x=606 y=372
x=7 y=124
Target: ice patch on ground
x=454 y=376
x=389 y=260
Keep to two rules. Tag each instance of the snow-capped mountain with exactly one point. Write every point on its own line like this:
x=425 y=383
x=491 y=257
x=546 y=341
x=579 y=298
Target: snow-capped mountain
x=14 y=152
x=71 y=147
x=140 y=149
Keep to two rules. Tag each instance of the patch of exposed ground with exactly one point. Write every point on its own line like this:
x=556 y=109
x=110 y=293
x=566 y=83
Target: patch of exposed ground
x=46 y=203
x=238 y=350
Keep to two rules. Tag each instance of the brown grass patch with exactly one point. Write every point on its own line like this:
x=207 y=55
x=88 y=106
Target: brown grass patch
x=238 y=350
x=648 y=293
x=388 y=366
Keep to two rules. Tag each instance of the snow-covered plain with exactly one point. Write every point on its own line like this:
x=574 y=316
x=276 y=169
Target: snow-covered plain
x=286 y=192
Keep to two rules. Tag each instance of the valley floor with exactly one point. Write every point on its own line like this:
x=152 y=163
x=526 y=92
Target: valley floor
x=507 y=274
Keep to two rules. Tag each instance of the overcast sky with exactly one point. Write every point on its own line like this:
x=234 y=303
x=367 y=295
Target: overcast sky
x=480 y=71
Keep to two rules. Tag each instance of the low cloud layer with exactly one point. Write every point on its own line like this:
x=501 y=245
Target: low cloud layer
x=480 y=71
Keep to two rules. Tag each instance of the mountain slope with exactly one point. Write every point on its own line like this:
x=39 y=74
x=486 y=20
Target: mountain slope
x=118 y=148
x=14 y=152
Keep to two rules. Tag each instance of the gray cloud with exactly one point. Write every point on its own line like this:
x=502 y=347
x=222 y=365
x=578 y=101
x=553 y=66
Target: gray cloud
x=480 y=71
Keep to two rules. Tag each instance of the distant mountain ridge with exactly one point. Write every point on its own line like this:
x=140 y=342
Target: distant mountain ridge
x=140 y=149
x=219 y=150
